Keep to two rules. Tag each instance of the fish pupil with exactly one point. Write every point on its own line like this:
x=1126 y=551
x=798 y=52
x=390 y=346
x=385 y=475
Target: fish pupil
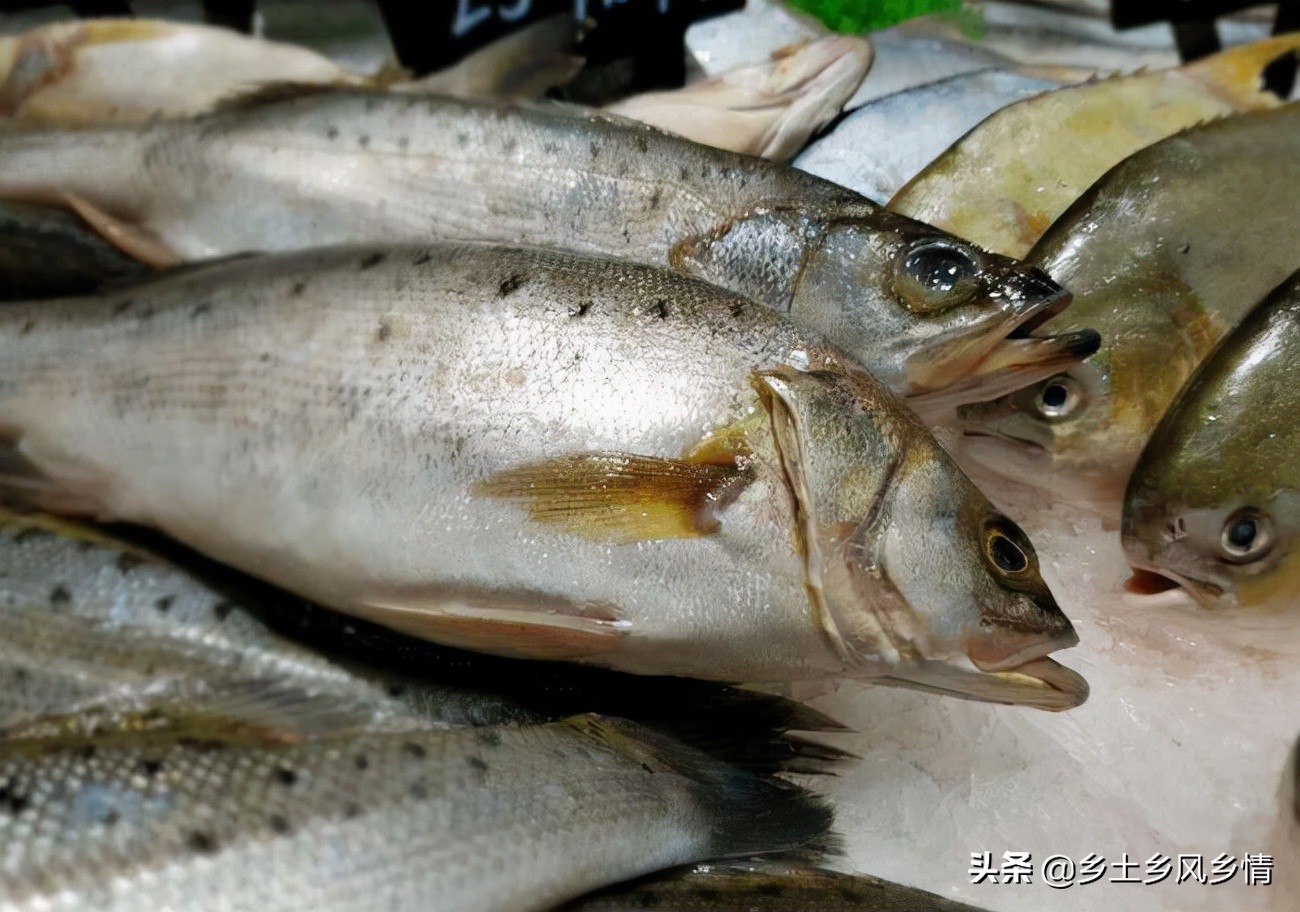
x=1055 y=396
x=1007 y=555
x=1242 y=533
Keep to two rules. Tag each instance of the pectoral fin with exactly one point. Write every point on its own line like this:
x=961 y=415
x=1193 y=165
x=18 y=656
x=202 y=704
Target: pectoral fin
x=619 y=497
x=131 y=239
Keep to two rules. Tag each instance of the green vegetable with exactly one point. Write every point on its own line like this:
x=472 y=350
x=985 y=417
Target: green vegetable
x=854 y=16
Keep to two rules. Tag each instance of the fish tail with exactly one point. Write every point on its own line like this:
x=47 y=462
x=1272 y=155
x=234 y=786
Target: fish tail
x=747 y=813
x=1255 y=75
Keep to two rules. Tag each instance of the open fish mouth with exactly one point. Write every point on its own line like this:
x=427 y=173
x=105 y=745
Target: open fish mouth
x=1013 y=364
x=1147 y=582
x=1041 y=683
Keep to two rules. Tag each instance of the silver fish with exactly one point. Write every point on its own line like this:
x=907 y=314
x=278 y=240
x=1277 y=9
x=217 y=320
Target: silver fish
x=884 y=144
x=537 y=454
x=476 y=820
x=98 y=634
x=919 y=308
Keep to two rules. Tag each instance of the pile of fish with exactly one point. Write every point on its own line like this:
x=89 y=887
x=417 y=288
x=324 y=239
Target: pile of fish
x=403 y=471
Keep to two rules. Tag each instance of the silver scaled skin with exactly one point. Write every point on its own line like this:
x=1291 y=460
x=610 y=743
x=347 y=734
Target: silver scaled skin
x=1214 y=503
x=508 y=819
x=919 y=308
x=537 y=455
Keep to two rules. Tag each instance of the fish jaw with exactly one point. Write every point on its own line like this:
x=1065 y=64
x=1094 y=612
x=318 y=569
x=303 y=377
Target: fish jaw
x=1041 y=684
x=974 y=356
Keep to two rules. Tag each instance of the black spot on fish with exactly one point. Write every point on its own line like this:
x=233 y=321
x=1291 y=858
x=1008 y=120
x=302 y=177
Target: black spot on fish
x=595 y=150
x=361 y=762
x=1185 y=249
x=642 y=144
x=372 y=261
x=86 y=751
x=684 y=173
x=285 y=776
x=415 y=749
x=403 y=142
x=656 y=197
x=145 y=313
x=200 y=309
x=419 y=791
x=280 y=824
x=222 y=610
x=768 y=889
x=396 y=689
x=648 y=768
x=510 y=284
x=487 y=738
x=332 y=133
x=122 y=307
x=111 y=817
x=660 y=308
x=462 y=138
x=201 y=841
x=164 y=604
x=363 y=141
x=151 y=767
x=422 y=259
x=580 y=309
x=60 y=596
x=737 y=309
x=13 y=801
x=27 y=327
x=849 y=896
x=650 y=901
x=126 y=562
x=351 y=810
x=264 y=357
x=297 y=289
x=478 y=764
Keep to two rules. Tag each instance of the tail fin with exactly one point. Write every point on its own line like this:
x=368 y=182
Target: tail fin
x=1256 y=75
x=748 y=813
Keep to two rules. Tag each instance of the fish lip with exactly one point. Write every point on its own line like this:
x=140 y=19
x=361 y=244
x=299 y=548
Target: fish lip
x=1149 y=582
x=1050 y=306
x=1064 y=687
x=1042 y=683
x=1205 y=594
x=1031 y=446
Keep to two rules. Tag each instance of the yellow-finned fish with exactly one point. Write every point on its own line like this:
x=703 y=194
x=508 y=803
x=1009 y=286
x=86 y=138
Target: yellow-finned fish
x=1008 y=179
x=534 y=454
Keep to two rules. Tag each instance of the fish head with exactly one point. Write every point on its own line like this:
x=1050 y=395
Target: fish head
x=926 y=311
x=915 y=577
x=1214 y=501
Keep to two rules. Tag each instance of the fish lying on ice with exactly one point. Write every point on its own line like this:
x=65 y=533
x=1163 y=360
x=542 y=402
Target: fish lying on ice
x=919 y=308
x=536 y=454
x=1165 y=254
x=87 y=71
x=477 y=820
x=885 y=143
x=1214 y=502
x=98 y=634
x=769 y=108
x=1007 y=180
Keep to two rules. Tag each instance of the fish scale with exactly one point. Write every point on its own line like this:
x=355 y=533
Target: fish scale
x=708 y=498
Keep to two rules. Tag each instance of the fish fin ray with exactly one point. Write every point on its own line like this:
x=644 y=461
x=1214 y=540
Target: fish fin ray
x=528 y=633
x=134 y=240
x=619 y=497
x=23 y=486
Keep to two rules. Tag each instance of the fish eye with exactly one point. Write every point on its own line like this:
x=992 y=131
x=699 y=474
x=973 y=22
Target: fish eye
x=1006 y=549
x=1247 y=535
x=932 y=270
x=1058 y=398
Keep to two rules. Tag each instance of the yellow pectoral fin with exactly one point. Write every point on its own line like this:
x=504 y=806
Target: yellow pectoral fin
x=619 y=497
